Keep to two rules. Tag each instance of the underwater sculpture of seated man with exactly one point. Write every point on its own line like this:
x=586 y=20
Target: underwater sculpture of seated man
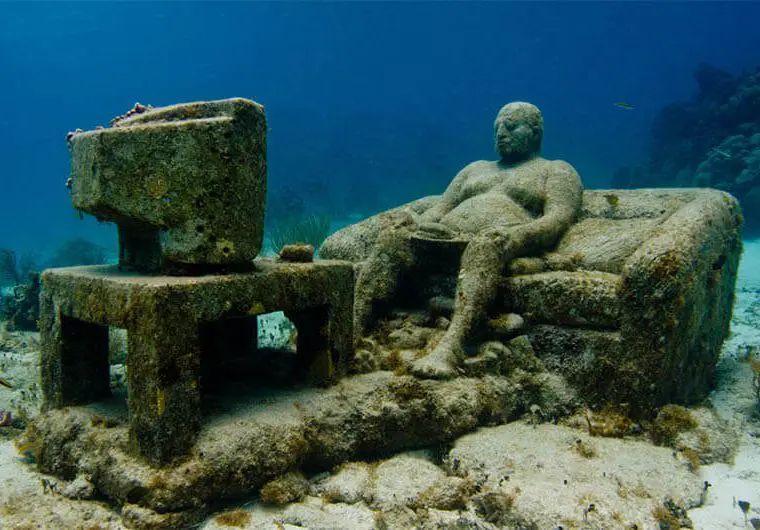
x=517 y=206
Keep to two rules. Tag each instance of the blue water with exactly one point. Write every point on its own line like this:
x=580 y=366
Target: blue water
x=369 y=104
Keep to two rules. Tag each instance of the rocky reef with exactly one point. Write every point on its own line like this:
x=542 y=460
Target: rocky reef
x=713 y=140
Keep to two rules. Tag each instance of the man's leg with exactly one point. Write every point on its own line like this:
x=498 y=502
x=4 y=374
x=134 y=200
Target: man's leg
x=482 y=264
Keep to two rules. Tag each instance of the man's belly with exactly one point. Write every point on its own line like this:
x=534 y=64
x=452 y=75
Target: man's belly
x=485 y=211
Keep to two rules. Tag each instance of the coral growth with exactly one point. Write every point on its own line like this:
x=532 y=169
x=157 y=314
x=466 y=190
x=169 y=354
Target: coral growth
x=21 y=308
x=712 y=140
x=8 y=270
x=14 y=269
x=77 y=251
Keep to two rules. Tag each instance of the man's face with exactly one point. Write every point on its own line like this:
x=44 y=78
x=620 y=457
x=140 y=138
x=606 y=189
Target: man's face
x=514 y=138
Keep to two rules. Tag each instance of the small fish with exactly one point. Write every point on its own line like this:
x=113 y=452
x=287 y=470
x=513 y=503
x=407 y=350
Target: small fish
x=624 y=105
x=5 y=383
x=722 y=153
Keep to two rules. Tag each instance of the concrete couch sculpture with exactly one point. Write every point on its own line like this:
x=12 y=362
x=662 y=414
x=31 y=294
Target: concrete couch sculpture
x=631 y=306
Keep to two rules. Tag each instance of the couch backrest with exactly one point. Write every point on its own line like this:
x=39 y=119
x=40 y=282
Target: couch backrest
x=645 y=203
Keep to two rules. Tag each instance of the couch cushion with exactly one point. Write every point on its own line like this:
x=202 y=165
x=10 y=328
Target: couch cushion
x=600 y=244
x=612 y=224
x=580 y=298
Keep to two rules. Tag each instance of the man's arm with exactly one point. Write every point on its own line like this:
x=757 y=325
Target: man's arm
x=564 y=194
x=450 y=198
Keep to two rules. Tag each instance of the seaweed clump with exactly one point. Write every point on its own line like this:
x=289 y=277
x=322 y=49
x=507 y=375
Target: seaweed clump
x=585 y=449
x=612 y=421
x=669 y=423
x=291 y=487
x=754 y=364
x=310 y=230
x=670 y=516
x=235 y=518
x=496 y=507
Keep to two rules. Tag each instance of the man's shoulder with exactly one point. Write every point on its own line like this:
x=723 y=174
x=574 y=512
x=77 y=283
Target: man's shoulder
x=560 y=164
x=479 y=165
x=473 y=167
x=560 y=167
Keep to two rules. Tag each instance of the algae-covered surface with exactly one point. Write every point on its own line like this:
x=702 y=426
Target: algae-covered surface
x=528 y=473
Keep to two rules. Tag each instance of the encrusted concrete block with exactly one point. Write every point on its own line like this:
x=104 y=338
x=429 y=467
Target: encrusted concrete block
x=186 y=183
x=591 y=360
x=677 y=298
x=179 y=331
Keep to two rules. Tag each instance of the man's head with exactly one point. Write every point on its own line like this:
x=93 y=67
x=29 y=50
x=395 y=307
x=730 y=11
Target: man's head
x=518 y=130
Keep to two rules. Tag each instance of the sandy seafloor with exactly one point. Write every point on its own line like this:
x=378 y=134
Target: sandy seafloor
x=531 y=453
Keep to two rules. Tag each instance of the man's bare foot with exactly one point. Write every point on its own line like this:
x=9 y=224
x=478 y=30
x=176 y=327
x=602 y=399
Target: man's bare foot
x=441 y=363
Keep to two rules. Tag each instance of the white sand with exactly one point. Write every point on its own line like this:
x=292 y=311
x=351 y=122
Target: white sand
x=733 y=399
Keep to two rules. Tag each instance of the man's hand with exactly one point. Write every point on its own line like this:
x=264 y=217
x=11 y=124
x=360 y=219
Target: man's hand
x=506 y=238
x=432 y=215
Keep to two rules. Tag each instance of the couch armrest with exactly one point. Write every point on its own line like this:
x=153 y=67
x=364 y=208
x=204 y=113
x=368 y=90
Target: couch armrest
x=676 y=298
x=354 y=242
